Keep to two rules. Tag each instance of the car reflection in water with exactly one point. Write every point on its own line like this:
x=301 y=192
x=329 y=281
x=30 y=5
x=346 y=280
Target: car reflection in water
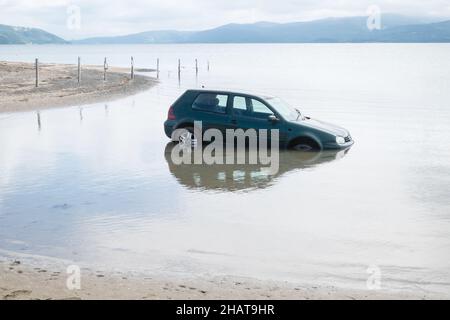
x=245 y=177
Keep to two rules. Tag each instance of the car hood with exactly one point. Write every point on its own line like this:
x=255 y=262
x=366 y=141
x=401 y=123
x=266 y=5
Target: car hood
x=324 y=126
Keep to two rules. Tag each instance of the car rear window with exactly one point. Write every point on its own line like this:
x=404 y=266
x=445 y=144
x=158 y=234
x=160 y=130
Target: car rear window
x=211 y=102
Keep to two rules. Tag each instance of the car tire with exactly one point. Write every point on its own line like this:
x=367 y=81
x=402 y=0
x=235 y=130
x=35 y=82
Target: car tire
x=302 y=147
x=304 y=144
x=186 y=134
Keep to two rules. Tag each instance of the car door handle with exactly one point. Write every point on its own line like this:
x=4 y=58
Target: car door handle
x=233 y=121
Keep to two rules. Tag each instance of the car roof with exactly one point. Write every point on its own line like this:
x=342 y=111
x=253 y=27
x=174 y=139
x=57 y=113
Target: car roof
x=253 y=94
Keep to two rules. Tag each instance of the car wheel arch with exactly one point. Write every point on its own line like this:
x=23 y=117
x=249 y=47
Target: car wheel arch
x=178 y=129
x=307 y=139
x=185 y=124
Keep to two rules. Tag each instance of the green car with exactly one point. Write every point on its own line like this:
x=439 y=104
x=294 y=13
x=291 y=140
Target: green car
x=232 y=110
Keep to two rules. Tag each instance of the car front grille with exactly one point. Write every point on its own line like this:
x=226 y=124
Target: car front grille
x=348 y=139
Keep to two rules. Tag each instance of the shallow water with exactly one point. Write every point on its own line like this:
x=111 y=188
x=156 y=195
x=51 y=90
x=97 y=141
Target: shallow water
x=93 y=184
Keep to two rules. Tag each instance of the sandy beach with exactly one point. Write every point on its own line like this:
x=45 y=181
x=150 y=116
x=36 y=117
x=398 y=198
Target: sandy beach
x=47 y=280
x=59 y=86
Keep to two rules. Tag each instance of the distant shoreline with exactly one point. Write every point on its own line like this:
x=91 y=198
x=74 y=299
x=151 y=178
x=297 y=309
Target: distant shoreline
x=58 y=86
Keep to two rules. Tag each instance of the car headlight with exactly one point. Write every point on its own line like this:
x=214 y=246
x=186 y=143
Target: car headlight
x=340 y=140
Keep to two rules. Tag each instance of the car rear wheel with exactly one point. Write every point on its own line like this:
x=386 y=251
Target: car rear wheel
x=186 y=136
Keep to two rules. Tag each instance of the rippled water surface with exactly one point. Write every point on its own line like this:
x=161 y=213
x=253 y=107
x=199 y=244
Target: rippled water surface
x=94 y=184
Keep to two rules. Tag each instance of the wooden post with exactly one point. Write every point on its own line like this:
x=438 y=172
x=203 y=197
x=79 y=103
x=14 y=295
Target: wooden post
x=132 y=68
x=37 y=72
x=104 y=70
x=179 y=68
x=105 y=67
x=79 y=69
x=196 y=66
x=157 y=68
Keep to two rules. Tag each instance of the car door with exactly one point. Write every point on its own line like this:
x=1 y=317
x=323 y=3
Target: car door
x=253 y=113
x=212 y=110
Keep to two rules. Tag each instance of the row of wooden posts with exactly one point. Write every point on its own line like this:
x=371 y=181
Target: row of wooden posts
x=105 y=68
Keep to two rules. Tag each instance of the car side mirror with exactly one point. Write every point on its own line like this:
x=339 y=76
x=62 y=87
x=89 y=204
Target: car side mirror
x=273 y=118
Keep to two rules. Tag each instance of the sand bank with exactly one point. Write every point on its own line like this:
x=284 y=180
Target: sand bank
x=19 y=280
x=59 y=86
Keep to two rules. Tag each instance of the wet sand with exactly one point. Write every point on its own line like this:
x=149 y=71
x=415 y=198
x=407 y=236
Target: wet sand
x=59 y=86
x=21 y=281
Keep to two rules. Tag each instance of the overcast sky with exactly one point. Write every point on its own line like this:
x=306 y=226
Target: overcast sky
x=114 y=17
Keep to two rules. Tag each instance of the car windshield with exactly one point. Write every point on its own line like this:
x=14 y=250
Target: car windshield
x=285 y=109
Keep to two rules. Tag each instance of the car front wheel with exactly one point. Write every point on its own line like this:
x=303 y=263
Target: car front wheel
x=304 y=144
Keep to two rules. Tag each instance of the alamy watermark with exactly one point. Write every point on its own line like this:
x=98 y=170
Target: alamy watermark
x=73 y=17
x=73 y=281
x=374 y=19
x=374 y=280
x=212 y=146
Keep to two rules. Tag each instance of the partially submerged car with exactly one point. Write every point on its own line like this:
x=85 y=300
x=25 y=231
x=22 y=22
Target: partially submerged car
x=232 y=110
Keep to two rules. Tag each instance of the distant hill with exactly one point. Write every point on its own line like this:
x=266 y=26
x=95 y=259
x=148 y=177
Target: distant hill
x=167 y=36
x=433 y=32
x=21 y=35
x=395 y=28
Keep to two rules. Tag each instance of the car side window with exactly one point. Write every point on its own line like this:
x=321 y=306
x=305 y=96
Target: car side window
x=260 y=109
x=240 y=105
x=211 y=102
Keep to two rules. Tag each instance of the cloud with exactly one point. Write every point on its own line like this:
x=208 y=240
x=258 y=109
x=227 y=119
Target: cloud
x=105 y=17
